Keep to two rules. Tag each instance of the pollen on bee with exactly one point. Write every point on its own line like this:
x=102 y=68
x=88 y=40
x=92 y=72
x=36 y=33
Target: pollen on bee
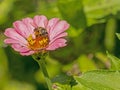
x=30 y=40
x=41 y=42
x=45 y=40
x=38 y=43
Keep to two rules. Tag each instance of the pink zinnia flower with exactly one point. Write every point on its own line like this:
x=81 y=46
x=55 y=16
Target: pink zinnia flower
x=30 y=36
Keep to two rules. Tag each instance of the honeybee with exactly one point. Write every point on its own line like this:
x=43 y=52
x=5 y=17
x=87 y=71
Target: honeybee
x=39 y=31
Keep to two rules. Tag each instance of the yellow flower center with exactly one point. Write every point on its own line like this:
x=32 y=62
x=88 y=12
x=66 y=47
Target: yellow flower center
x=41 y=40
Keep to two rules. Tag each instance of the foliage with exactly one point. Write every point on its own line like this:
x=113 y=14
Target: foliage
x=101 y=80
x=92 y=33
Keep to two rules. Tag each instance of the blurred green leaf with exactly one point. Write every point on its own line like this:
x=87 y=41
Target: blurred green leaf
x=5 y=7
x=110 y=34
x=74 y=32
x=72 y=11
x=101 y=80
x=17 y=85
x=48 y=8
x=97 y=10
x=118 y=15
x=115 y=62
x=85 y=63
x=4 y=76
x=118 y=35
x=2 y=37
x=103 y=58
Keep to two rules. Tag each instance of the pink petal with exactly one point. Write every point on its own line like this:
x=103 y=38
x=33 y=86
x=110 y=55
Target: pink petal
x=59 y=28
x=40 y=21
x=12 y=41
x=19 y=48
x=59 y=36
x=27 y=53
x=11 y=33
x=57 y=44
x=23 y=50
x=29 y=24
x=51 y=24
x=21 y=28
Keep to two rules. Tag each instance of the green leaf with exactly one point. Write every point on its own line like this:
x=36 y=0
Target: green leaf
x=115 y=62
x=64 y=79
x=118 y=35
x=101 y=80
x=72 y=11
x=79 y=86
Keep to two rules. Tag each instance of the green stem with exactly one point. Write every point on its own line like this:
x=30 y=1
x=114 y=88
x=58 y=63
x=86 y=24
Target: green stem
x=44 y=70
x=41 y=62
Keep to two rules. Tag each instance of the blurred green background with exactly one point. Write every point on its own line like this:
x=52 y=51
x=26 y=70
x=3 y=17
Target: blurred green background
x=93 y=28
